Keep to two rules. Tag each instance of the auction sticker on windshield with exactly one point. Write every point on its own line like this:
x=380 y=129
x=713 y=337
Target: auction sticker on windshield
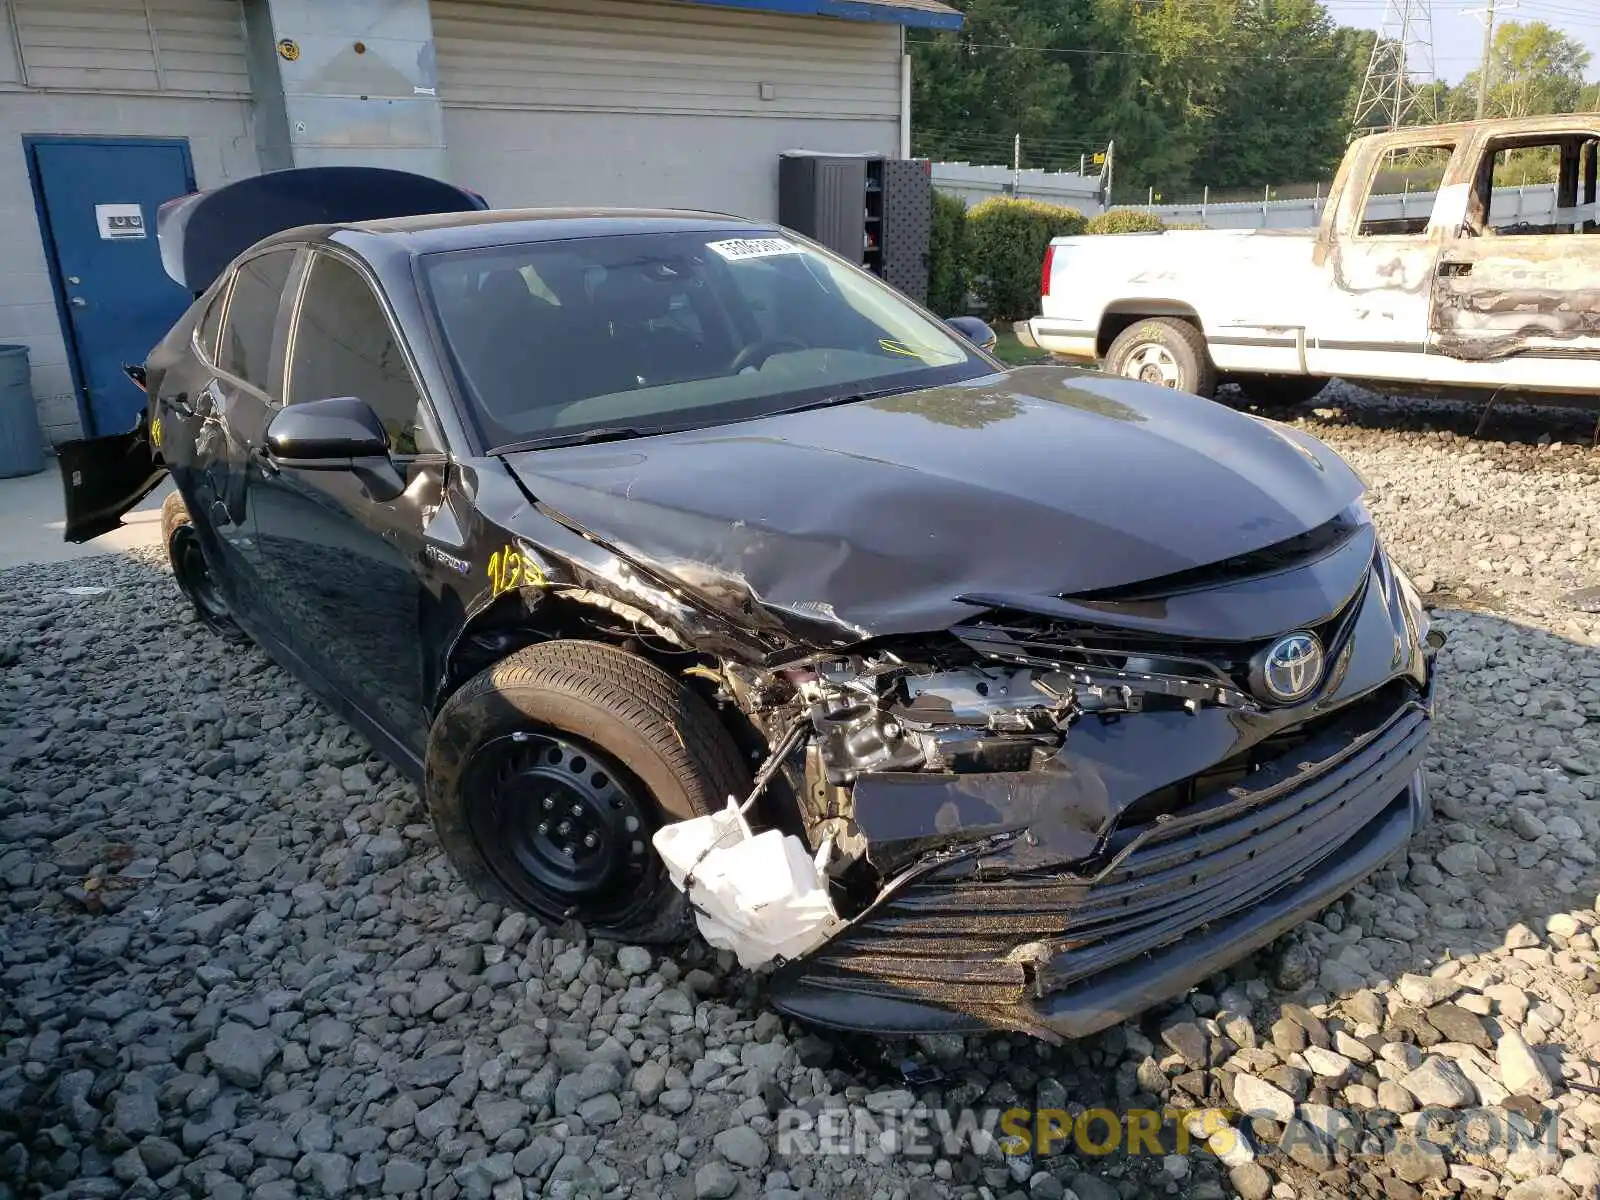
x=736 y=249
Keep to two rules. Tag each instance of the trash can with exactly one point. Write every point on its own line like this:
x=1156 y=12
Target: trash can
x=21 y=443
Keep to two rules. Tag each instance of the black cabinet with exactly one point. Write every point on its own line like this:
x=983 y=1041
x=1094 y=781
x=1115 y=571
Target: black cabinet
x=876 y=212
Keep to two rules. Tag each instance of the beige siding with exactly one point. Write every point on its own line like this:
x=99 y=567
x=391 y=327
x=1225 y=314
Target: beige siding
x=639 y=56
x=175 y=46
x=726 y=164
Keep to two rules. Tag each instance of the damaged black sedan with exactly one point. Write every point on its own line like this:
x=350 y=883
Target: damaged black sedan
x=697 y=575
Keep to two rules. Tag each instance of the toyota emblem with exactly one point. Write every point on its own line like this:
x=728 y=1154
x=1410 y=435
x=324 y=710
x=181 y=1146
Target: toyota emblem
x=1290 y=669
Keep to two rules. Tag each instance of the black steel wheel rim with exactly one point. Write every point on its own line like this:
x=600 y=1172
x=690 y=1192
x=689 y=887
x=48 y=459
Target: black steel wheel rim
x=194 y=576
x=550 y=811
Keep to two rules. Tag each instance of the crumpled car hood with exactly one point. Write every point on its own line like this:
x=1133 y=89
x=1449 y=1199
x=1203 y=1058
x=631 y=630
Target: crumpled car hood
x=874 y=518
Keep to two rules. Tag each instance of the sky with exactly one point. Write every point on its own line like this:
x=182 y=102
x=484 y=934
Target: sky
x=1458 y=37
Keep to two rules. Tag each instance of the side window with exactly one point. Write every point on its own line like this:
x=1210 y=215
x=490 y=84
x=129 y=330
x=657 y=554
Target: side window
x=246 y=345
x=1405 y=185
x=344 y=346
x=1542 y=188
x=210 y=323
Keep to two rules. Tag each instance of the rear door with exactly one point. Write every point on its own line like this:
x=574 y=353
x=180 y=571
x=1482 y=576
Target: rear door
x=229 y=416
x=1519 y=280
x=344 y=572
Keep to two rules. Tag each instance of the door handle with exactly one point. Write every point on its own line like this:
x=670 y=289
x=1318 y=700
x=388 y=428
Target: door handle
x=1454 y=270
x=79 y=302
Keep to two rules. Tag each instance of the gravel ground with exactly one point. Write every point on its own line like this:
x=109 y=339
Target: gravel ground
x=233 y=963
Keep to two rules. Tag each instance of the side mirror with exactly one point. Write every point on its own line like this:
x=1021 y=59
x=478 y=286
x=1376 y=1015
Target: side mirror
x=340 y=434
x=975 y=331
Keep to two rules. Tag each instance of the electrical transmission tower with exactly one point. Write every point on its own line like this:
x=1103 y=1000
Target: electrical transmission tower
x=1400 y=72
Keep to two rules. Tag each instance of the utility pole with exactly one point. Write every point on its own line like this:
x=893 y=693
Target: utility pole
x=1016 y=164
x=1486 y=67
x=1488 y=51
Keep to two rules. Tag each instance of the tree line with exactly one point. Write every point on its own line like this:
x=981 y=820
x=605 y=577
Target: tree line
x=1196 y=93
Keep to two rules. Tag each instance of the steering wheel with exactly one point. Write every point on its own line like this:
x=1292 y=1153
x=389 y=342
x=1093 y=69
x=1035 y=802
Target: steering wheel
x=756 y=353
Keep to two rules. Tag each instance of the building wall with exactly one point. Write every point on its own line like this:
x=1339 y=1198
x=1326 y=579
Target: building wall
x=172 y=68
x=616 y=102
x=635 y=102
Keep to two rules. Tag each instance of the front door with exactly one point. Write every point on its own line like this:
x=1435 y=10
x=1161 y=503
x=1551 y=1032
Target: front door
x=97 y=201
x=1375 y=320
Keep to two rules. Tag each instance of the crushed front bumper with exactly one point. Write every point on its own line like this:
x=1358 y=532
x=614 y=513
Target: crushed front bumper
x=974 y=942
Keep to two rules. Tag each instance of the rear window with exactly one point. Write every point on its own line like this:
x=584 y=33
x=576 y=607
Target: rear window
x=246 y=348
x=210 y=323
x=674 y=330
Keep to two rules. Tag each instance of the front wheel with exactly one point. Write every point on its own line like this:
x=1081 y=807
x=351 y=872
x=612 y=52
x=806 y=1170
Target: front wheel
x=549 y=772
x=1164 y=351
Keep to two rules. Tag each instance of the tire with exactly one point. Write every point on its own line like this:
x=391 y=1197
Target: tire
x=611 y=739
x=1280 y=391
x=193 y=573
x=1164 y=351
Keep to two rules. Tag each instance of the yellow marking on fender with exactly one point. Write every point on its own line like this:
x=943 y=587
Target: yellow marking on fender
x=510 y=569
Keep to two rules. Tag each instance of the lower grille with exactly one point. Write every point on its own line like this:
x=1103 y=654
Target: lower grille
x=959 y=936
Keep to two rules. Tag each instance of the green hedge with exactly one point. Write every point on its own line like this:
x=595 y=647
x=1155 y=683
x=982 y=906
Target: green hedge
x=1126 y=220
x=1006 y=241
x=996 y=248
x=947 y=256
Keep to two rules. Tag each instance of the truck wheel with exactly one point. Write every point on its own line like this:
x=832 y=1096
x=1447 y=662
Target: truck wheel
x=1166 y=352
x=548 y=773
x=192 y=573
x=1280 y=391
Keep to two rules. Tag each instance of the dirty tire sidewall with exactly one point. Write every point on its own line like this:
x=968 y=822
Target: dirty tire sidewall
x=173 y=514
x=657 y=728
x=1182 y=340
x=175 y=518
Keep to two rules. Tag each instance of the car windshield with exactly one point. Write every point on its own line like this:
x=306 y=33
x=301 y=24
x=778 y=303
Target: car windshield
x=648 y=332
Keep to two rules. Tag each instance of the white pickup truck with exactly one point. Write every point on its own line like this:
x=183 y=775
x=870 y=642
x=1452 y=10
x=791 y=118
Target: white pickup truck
x=1460 y=294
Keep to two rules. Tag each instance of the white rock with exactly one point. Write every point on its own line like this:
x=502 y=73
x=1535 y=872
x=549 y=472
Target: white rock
x=1352 y=1048
x=1401 y=1054
x=1327 y=1063
x=1563 y=925
x=1258 y=1098
x=1511 y=1001
x=1520 y=937
x=1232 y=1147
x=1520 y=1068
x=1425 y=990
x=1582 y=1171
x=1439 y=1082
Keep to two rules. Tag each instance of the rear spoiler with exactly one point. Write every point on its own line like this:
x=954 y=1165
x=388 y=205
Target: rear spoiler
x=201 y=233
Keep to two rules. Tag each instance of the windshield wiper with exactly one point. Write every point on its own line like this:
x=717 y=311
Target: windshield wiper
x=842 y=398
x=583 y=437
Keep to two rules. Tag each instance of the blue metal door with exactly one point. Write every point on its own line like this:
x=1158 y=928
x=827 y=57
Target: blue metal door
x=97 y=200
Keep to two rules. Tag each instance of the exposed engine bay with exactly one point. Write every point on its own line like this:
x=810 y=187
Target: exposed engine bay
x=1025 y=758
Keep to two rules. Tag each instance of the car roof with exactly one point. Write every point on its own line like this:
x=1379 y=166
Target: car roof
x=436 y=232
